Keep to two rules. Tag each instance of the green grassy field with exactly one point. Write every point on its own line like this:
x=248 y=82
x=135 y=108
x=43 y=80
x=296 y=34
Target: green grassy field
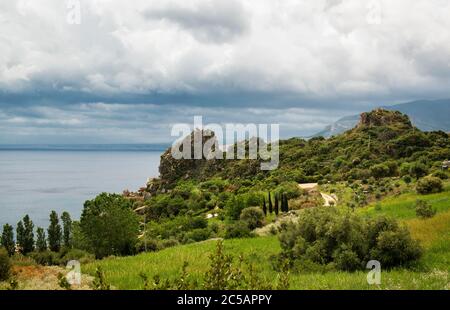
x=403 y=206
x=432 y=272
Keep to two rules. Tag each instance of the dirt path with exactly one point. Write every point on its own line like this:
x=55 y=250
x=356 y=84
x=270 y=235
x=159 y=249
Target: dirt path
x=329 y=200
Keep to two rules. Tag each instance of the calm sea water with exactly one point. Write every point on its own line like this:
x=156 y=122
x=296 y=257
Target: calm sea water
x=35 y=182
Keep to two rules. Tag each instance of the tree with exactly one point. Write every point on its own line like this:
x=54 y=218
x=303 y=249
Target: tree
x=28 y=241
x=54 y=233
x=418 y=170
x=20 y=231
x=67 y=229
x=264 y=206
x=253 y=216
x=110 y=225
x=7 y=240
x=270 y=204
x=41 y=241
x=276 y=205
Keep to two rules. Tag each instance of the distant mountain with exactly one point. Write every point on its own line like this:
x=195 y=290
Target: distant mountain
x=427 y=115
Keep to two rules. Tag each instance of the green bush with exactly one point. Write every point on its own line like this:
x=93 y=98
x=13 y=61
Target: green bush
x=345 y=240
x=238 y=229
x=429 y=185
x=75 y=254
x=441 y=175
x=234 y=206
x=253 y=216
x=5 y=265
x=424 y=209
x=395 y=248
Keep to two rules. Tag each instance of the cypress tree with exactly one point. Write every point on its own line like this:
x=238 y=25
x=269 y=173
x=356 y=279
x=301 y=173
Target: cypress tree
x=28 y=241
x=67 y=229
x=7 y=240
x=20 y=231
x=286 y=204
x=41 y=241
x=276 y=204
x=54 y=233
x=270 y=204
x=264 y=206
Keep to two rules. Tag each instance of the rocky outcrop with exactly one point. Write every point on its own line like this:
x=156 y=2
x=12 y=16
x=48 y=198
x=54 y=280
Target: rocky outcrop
x=172 y=169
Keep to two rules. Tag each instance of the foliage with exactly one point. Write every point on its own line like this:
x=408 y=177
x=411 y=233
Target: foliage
x=67 y=229
x=253 y=216
x=7 y=240
x=424 y=209
x=109 y=225
x=5 y=265
x=54 y=232
x=100 y=282
x=25 y=235
x=41 y=241
x=234 y=207
x=238 y=229
x=328 y=236
x=224 y=272
x=63 y=283
x=428 y=185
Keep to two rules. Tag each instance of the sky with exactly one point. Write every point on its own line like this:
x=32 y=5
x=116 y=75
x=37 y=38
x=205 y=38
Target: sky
x=111 y=71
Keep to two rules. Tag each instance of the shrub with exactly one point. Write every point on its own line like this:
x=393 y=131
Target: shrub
x=76 y=254
x=238 y=229
x=110 y=225
x=407 y=179
x=429 y=185
x=5 y=265
x=46 y=258
x=198 y=234
x=424 y=209
x=253 y=216
x=418 y=170
x=346 y=241
x=395 y=248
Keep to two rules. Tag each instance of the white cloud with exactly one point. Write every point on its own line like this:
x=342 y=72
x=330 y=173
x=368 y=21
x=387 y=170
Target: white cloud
x=303 y=55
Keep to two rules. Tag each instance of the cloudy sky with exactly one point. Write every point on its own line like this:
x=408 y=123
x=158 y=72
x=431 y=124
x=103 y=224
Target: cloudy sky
x=126 y=71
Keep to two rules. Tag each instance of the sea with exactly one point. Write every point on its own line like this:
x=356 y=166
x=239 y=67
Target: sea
x=36 y=179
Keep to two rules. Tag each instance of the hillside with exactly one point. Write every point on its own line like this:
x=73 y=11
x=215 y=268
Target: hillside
x=433 y=272
x=427 y=115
